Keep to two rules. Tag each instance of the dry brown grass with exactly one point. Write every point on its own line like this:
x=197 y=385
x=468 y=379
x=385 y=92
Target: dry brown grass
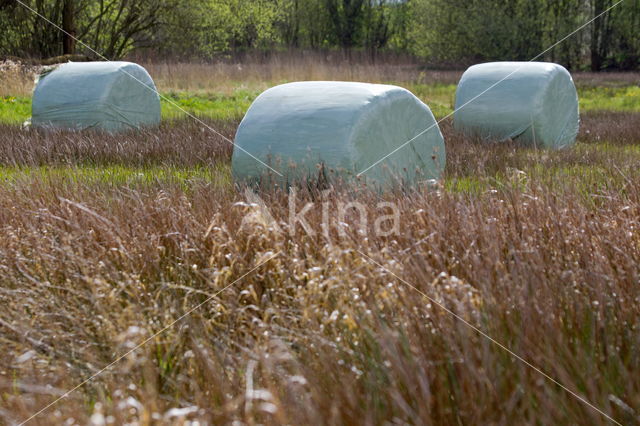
x=262 y=72
x=254 y=73
x=607 y=154
x=545 y=263
x=187 y=143
x=259 y=73
x=16 y=79
x=603 y=79
x=224 y=77
x=613 y=127
x=540 y=250
x=182 y=143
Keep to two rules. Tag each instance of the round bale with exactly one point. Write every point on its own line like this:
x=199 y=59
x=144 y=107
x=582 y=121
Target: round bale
x=111 y=96
x=533 y=103
x=339 y=130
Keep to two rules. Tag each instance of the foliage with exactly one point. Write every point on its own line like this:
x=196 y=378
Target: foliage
x=110 y=27
x=455 y=32
x=471 y=31
x=210 y=27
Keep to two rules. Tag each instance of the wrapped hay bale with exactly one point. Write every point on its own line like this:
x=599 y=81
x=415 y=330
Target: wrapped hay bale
x=338 y=129
x=111 y=96
x=536 y=104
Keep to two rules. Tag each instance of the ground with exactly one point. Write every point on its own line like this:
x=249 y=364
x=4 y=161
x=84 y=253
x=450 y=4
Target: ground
x=520 y=269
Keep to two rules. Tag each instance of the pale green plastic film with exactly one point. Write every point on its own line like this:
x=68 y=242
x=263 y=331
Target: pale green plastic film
x=111 y=96
x=533 y=103
x=345 y=127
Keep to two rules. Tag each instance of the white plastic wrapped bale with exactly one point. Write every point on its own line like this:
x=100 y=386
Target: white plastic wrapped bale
x=536 y=104
x=111 y=96
x=345 y=127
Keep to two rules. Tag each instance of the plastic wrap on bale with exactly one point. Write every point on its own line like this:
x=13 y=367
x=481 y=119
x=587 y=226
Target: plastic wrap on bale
x=338 y=129
x=532 y=103
x=110 y=96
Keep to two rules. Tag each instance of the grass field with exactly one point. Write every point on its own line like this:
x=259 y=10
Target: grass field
x=232 y=105
x=107 y=240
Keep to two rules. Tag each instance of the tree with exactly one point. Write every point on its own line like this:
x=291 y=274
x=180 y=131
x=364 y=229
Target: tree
x=346 y=17
x=114 y=27
x=601 y=32
x=111 y=27
x=376 y=25
x=562 y=18
x=68 y=27
x=615 y=40
x=447 y=32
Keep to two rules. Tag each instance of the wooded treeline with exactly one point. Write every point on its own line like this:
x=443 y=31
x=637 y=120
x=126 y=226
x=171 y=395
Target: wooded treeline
x=438 y=32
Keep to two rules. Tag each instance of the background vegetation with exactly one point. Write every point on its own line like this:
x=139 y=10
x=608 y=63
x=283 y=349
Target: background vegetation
x=438 y=32
x=108 y=239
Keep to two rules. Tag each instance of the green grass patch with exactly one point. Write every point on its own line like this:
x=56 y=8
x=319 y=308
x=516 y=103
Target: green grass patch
x=587 y=169
x=441 y=98
x=587 y=180
x=219 y=106
x=610 y=99
x=14 y=110
x=609 y=148
x=467 y=184
x=120 y=176
x=212 y=105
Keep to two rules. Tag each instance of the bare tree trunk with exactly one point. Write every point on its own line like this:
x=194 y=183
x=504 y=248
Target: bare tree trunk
x=69 y=28
x=600 y=34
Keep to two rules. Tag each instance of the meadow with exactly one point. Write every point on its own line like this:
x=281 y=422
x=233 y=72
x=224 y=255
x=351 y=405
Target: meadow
x=107 y=240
